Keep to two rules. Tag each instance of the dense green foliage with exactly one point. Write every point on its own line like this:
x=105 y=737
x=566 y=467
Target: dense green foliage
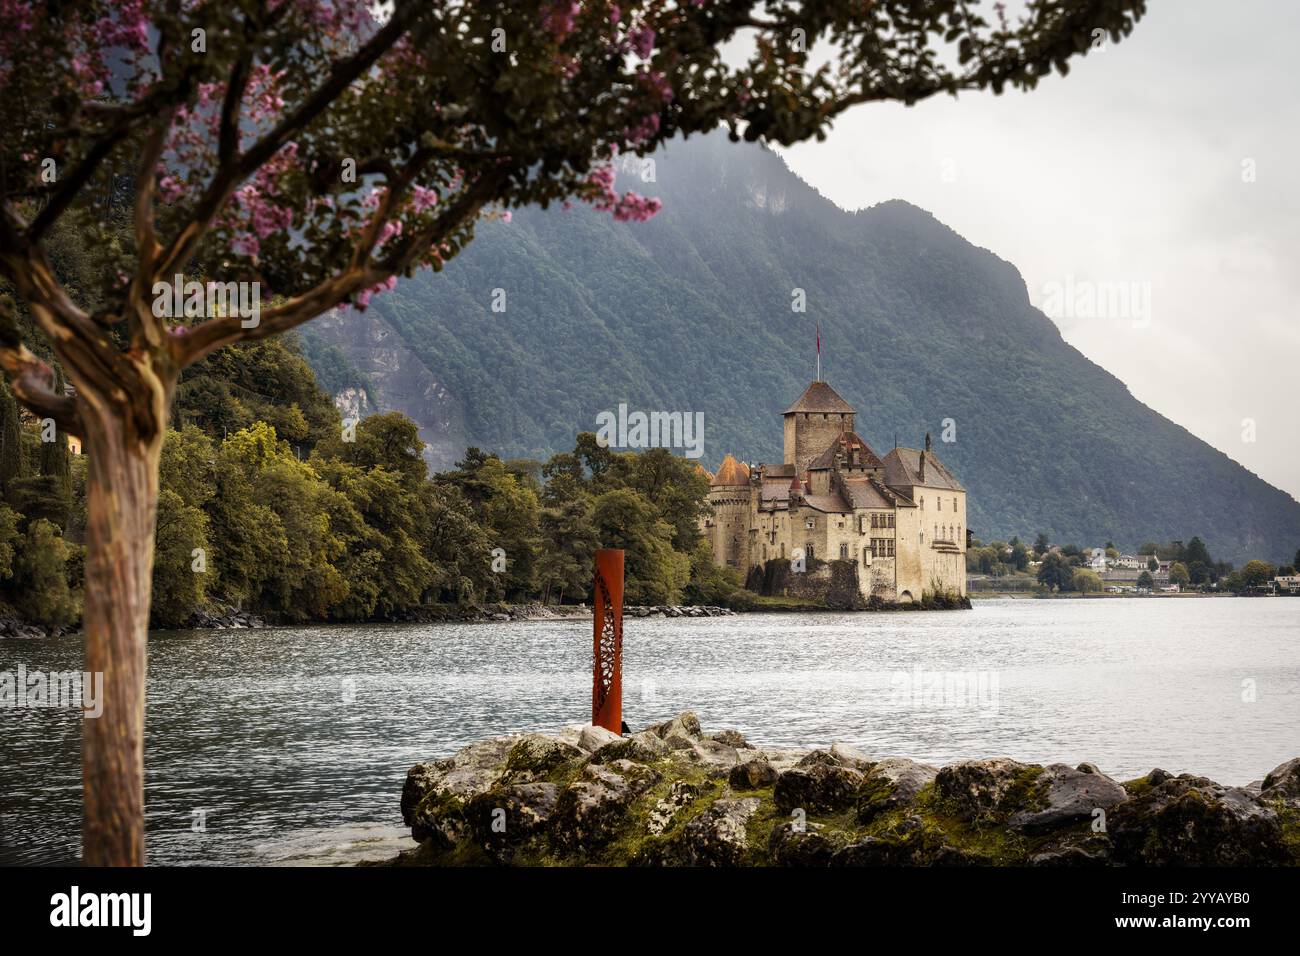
x=692 y=311
x=347 y=524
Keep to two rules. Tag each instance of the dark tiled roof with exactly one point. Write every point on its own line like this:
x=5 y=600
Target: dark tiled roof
x=845 y=445
x=903 y=468
x=819 y=397
x=778 y=471
x=775 y=489
x=864 y=493
x=831 y=504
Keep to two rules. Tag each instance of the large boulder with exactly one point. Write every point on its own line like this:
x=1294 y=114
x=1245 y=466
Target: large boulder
x=851 y=757
x=712 y=754
x=685 y=724
x=593 y=738
x=1193 y=821
x=718 y=836
x=912 y=842
x=732 y=738
x=591 y=808
x=817 y=788
x=643 y=747
x=435 y=794
x=536 y=756
x=806 y=846
x=1283 y=784
x=1063 y=797
x=892 y=784
x=755 y=774
x=504 y=818
x=680 y=794
x=986 y=791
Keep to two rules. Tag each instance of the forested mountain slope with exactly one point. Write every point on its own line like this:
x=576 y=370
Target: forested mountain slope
x=692 y=311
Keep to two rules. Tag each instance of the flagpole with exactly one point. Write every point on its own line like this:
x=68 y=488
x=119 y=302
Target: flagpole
x=819 y=351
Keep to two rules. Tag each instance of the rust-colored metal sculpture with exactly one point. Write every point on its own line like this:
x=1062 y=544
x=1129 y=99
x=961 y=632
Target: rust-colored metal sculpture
x=607 y=672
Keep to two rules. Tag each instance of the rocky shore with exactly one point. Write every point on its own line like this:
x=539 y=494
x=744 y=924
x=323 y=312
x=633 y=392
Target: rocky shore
x=22 y=630
x=672 y=795
x=225 y=620
x=481 y=613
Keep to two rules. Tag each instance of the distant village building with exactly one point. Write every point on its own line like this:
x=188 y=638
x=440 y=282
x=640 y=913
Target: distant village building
x=1099 y=561
x=1287 y=584
x=1129 y=562
x=900 y=519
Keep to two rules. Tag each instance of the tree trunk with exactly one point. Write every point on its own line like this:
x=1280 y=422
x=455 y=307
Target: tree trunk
x=121 y=506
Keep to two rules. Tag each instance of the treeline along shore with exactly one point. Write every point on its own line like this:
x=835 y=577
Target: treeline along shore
x=274 y=510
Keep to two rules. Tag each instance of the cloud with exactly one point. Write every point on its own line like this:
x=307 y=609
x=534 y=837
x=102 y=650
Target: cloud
x=1131 y=170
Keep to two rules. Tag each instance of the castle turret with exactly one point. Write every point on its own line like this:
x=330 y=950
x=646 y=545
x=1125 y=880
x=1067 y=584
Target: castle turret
x=815 y=420
x=730 y=495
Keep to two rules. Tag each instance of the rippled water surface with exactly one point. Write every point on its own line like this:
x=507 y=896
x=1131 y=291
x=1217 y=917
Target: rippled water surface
x=293 y=743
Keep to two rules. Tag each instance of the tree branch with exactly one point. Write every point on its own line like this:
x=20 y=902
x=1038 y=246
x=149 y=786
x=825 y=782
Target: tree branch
x=148 y=330
x=33 y=380
x=231 y=173
x=202 y=340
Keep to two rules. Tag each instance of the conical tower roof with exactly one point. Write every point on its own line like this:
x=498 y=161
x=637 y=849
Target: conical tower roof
x=731 y=473
x=820 y=397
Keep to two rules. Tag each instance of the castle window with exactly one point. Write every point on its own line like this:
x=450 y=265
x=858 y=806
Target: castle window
x=808 y=551
x=844 y=552
x=810 y=524
x=954 y=504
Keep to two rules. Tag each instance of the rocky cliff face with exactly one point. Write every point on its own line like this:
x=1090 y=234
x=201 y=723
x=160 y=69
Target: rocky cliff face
x=401 y=382
x=672 y=795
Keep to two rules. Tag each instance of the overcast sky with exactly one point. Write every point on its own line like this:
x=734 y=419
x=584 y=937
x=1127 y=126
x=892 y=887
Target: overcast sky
x=1130 y=170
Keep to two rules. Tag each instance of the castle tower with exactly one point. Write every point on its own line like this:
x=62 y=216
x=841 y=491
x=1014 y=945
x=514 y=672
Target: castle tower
x=813 y=422
x=730 y=495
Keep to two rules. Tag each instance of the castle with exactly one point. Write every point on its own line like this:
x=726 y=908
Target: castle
x=900 y=520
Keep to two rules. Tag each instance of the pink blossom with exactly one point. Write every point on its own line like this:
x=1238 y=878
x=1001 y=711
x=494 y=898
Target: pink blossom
x=363 y=297
x=560 y=18
x=422 y=198
x=245 y=244
x=628 y=207
x=643 y=41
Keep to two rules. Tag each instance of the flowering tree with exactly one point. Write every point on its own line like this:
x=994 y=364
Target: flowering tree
x=315 y=151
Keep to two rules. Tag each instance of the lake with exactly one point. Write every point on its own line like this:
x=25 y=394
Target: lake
x=291 y=744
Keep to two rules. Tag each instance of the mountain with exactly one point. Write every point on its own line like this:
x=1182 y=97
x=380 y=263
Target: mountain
x=692 y=312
